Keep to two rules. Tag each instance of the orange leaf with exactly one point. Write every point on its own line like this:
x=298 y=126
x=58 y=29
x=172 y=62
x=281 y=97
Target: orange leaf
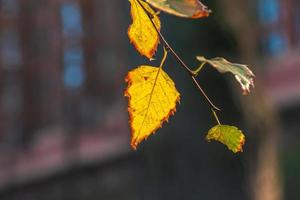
x=182 y=8
x=141 y=32
x=152 y=99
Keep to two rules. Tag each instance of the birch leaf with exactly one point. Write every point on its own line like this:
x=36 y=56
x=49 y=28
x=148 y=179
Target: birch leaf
x=241 y=72
x=142 y=33
x=181 y=8
x=230 y=136
x=152 y=99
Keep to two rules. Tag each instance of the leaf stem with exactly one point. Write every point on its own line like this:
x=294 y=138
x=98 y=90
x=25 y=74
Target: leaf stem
x=179 y=60
x=216 y=116
x=164 y=58
x=197 y=71
x=211 y=104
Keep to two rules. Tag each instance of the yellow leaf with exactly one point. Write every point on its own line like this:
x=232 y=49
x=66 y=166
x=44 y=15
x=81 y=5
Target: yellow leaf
x=141 y=32
x=152 y=99
x=230 y=136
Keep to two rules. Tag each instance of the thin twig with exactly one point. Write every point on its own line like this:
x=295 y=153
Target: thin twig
x=216 y=116
x=212 y=105
x=164 y=58
x=179 y=60
x=197 y=71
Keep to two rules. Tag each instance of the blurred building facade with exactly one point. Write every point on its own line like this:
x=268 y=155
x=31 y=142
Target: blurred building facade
x=58 y=59
x=280 y=44
x=63 y=122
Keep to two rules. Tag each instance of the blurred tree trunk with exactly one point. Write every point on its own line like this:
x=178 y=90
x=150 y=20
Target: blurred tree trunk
x=260 y=116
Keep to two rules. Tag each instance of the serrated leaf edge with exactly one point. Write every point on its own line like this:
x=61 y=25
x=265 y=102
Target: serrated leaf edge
x=150 y=53
x=172 y=111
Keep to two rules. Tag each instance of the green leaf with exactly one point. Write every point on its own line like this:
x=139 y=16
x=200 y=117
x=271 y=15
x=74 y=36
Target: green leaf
x=241 y=72
x=230 y=136
x=181 y=8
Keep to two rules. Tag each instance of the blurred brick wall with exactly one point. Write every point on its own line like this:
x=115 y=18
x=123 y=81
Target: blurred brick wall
x=61 y=63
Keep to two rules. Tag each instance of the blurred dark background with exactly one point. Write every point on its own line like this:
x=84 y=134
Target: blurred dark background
x=64 y=130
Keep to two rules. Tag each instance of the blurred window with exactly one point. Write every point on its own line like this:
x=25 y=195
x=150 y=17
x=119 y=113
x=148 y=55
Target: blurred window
x=268 y=11
x=71 y=19
x=9 y=38
x=274 y=41
x=73 y=68
x=73 y=56
x=10 y=49
x=9 y=8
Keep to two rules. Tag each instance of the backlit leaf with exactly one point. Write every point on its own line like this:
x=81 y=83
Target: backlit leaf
x=181 y=8
x=142 y=33
x=152 y=99
x=230 y=136
x=241 y=72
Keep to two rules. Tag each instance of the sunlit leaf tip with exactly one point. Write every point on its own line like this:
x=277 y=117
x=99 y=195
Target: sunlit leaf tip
x=142 y=34
x=152 y=98
x=230 y=136
x=182 y=8
x=241 y=72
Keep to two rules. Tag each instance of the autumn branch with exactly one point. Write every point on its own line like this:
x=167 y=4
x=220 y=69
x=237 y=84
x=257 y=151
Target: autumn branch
x=150 y=106
x=192 y=73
